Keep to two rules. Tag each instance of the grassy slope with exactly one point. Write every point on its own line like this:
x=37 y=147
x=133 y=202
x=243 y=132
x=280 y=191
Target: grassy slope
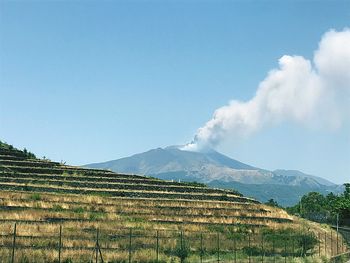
x=43 y=195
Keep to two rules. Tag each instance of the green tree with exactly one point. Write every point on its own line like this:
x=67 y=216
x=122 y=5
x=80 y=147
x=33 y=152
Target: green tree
x=312 y=202
x=315 y=206
x=182 y=248
x=342 y=206
x=272 y=202
x=347 y=190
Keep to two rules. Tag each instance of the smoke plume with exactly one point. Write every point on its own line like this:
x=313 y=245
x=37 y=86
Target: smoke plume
x=313 y=93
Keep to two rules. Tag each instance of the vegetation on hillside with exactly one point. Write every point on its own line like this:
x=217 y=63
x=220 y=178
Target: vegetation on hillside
x=140 y=217
x=124 y=219
x=316 y=207
x=24 y=153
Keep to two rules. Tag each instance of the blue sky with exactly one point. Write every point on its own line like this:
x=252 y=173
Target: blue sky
x=87 y=81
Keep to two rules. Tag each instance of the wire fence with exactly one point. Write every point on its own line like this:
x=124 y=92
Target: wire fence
x=20 y=243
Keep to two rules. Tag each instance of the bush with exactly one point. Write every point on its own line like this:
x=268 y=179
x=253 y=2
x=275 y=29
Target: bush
x=96 y=215
x=182 y=249
x=35 y=197
x=307 y=242
x=79 y=210
x=57 y=208
x=252 y=251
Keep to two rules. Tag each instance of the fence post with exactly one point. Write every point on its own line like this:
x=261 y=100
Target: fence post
x=96 y=247
x=60 y=245
x=235 y=249
x=285 y=250
x=157 y=249
x=201 y=252
x=130 y=237
x=319 y=244
x=304 y=246
x=262 y=248
x=14 y=244
x=325 y=243
x=273 y=250
x=218 y=244
x=181 y=241
x=249 y=254
x=293 y=250
x=337 y=242
x=331 y=243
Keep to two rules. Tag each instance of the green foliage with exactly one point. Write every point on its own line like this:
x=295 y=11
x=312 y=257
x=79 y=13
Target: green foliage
x=303 y=242
x=24 y=259
x=307 y=241
x=217 y=228
x=224 y=197
x=182 y=249
x=25 y=153
x=35 y=197
x=79 y=210
x=57 y=208
x=253 y=251
x=104 y=194
x=272 y=202
x=242 y=228
x=280 y=232
x=4 y=145
x=96 y=215
x=133 y=219
x=319 y=208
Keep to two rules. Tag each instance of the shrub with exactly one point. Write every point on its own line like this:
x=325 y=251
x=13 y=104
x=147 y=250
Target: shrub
x=79 y=210
x=182 y=249
x=217 y=228
x=272 y=203
x=307 y=242
x=57 y=208
x=224 y=197
x=96 y=215
x=35 y=196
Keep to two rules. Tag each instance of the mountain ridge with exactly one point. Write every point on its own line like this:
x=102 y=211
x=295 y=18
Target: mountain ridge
x=216 y=169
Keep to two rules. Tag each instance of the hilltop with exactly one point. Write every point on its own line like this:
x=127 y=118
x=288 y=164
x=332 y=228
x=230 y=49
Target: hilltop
x=217 y=170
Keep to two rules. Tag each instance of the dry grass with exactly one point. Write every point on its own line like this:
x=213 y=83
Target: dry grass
x=63 y=206
x=155 y=210
x=81 y=234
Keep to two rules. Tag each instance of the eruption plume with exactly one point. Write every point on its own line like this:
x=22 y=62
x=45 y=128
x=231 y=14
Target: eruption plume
x=312 y=93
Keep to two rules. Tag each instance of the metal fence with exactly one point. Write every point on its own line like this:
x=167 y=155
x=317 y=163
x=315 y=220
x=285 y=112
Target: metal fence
x=20 y=243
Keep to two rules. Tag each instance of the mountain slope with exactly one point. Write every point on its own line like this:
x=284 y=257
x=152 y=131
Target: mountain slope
x=216 y=169
x=43 y=198
x=170 y=159
x=301 y=175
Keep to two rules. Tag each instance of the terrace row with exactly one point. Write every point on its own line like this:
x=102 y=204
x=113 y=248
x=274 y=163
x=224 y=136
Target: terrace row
x=99 y=184
x=5 y=185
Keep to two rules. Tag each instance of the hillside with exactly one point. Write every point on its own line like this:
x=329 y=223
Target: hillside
x=218 y=170
x=18 y=173
x=64 y=208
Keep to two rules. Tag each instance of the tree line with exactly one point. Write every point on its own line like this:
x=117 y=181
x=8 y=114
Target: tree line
x=25 y=153
x=324 y=209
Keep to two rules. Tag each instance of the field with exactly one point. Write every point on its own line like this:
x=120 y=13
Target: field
x=61 y=212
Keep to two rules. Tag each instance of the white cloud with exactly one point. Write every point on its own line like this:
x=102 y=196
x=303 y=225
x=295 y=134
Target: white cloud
x=310 y=93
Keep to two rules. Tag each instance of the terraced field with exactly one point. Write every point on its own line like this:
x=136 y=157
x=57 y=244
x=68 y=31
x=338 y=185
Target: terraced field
x=45 y=198
x=152 y=199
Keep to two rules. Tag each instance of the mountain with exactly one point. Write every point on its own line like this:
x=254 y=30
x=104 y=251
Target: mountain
x=301 y=175
x=217 y=170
